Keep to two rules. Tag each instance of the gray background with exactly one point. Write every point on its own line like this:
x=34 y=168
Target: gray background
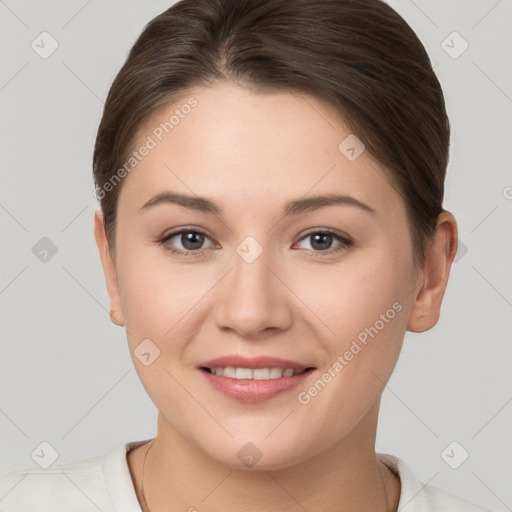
x=67 y=377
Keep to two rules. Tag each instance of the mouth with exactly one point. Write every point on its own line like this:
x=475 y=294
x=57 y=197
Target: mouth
x=256 y=379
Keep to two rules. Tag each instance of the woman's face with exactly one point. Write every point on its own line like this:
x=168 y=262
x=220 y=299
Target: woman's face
x=266 y=270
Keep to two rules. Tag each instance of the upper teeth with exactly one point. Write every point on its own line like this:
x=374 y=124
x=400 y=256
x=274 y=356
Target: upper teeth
x=256 y=374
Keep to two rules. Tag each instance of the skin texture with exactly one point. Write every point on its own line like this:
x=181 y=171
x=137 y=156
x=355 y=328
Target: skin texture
x=251 y=153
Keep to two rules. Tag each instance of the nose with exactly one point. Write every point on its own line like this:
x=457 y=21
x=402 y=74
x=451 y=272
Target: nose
x=253 y=301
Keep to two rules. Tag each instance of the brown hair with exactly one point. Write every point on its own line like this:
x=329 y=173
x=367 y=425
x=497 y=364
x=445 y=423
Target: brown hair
x=358 y=55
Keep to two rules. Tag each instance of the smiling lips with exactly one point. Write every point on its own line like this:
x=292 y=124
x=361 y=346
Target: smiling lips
x=253 y=379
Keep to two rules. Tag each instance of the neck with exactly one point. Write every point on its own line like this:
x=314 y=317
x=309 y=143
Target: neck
x=346 y=476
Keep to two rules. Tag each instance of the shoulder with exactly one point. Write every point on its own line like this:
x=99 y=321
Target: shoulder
x=415 y=496
x=78 y=486
x=102 y=482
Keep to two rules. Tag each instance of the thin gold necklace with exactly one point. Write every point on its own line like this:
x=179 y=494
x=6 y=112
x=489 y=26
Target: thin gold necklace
x=388 y=509
x=142 y=482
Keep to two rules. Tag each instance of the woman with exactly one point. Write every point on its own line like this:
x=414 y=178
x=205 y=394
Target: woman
x=271 y=177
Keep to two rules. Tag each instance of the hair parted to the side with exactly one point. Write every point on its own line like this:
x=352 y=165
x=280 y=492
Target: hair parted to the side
x=358 y=55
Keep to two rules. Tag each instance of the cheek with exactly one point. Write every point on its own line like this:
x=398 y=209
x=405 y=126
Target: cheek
x=161 y=302
x=159 y=298
x=361 y=313
x=349 y=298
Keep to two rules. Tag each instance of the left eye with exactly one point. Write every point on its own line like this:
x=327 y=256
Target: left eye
x=322 y=241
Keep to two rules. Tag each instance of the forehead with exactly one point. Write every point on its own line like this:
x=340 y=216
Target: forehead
x=239 y=146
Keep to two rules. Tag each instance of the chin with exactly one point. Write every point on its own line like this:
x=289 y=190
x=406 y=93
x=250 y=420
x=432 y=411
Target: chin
x=259 y=455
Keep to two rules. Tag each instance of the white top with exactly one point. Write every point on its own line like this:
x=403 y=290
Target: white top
x=104 y=483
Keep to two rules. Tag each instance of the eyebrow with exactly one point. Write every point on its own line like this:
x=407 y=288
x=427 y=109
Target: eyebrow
x=204 y=205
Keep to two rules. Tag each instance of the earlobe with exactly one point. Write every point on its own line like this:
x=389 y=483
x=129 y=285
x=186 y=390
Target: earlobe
x=433 y=277
x=109 y=270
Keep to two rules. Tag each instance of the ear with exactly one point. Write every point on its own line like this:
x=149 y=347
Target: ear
x=109 y=270
x=433 y=277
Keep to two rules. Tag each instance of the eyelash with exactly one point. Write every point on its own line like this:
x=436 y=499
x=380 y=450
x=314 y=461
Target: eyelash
x=344 y=244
